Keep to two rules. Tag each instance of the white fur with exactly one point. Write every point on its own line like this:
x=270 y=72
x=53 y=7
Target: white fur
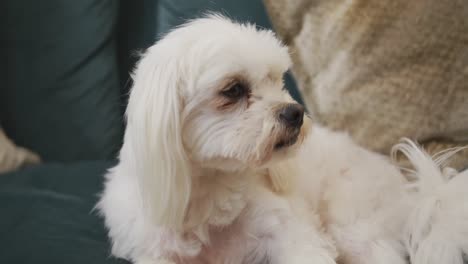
x=437 y=227
x=200 y=181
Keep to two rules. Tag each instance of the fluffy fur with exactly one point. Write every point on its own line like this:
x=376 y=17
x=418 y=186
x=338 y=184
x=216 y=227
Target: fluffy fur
x=436 y=229
x=210 y=172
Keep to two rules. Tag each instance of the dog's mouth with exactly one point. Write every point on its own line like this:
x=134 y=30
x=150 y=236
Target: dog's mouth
x=288 y=140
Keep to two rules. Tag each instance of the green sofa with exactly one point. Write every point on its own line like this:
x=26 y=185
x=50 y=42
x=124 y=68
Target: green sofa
x=65 y=75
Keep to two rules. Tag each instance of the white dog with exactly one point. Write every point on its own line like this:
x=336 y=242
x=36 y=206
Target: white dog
x=212 y=169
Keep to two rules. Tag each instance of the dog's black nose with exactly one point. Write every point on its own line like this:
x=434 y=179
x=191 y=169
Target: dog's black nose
x=292 y=115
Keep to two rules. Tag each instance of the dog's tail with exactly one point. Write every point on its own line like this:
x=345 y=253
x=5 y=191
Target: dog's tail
x=437 y=226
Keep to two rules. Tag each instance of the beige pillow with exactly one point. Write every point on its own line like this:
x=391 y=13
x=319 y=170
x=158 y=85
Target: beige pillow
x=13 y=157
x=382 y=70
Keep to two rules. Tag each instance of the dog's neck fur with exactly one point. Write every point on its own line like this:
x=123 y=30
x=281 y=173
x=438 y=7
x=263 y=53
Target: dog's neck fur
x=217 y=197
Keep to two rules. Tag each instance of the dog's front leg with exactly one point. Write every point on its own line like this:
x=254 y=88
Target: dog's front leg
x=286 y=234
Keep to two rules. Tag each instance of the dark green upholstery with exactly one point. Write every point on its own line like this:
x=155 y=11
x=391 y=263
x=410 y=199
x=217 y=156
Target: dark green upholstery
x=47 y=215
x=65 y=83
x=60 y=96
x=136 y=30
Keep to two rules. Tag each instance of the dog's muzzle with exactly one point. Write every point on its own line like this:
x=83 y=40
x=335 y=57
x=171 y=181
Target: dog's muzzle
x=291 y=117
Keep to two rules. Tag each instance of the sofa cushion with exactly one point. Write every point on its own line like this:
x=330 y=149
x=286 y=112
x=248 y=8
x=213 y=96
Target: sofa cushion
x=60 y=95
x=382 y=70
x=47 y=215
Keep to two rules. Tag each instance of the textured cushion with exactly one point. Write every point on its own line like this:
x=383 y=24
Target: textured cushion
x=13 y=157
x=382 y=70
x=47 y=215
x=60 y=96
x=171 y=13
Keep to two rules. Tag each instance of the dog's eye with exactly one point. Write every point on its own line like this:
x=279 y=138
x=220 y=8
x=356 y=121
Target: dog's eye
x=235 y=91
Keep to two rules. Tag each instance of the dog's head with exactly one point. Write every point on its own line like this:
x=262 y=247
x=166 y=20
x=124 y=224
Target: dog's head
x=209 y=94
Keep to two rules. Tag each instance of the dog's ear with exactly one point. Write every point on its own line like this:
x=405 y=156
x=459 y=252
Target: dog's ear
x=153 y=144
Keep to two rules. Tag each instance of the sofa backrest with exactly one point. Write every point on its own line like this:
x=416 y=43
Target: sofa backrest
x=67 y=67
x=60 y=98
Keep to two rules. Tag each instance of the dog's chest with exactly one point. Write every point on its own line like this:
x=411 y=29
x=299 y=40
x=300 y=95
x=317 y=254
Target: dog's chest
x=228 y=245
x=216 y=214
